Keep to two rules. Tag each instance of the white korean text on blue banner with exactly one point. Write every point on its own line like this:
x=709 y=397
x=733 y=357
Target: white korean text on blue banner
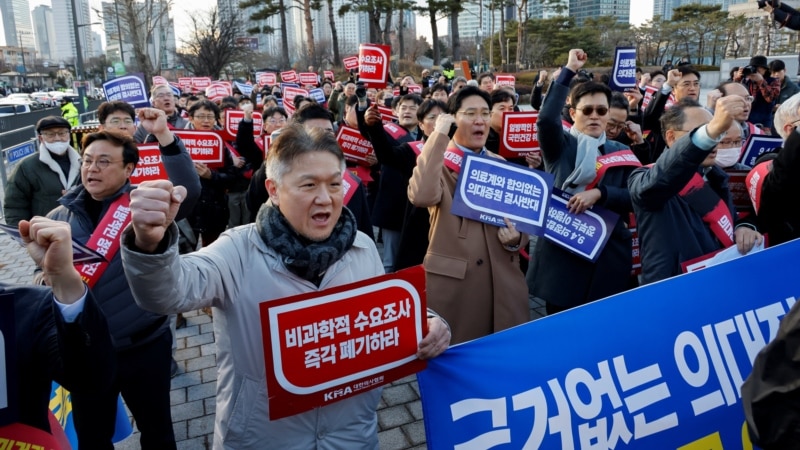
x=654 y=368
x=623 y=74
x=490 y=189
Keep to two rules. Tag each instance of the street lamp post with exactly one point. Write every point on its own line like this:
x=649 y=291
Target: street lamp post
x=22 y=52
x=480 y=54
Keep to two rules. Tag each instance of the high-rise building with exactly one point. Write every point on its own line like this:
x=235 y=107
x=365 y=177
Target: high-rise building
x=44 y=30
x=269 y=43
x=585 y=9
x=664 y=8
x=476 y=21
x=351 y=30
x=65 y=48
x=17 y=23
x=547 y=10
x=161 y=45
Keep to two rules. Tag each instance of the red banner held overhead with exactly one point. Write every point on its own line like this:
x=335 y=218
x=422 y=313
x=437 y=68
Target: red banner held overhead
x=520 y=134
x=150 y=166
x=350 y=63
x=290 y=76
x=373 y=64
x=200 y=83
x=329 y=74
x=355 y=147
x=203 y=146
x=504 y=80
x=231 y=123
x=308 y=79
x=289 y=93
x=266 y=78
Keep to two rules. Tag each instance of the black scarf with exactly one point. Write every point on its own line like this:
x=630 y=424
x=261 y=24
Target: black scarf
x=305 y=258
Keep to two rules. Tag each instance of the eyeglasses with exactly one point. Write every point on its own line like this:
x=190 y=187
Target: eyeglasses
x=589 y=110
x=204 y=117
x=163 y=95
x=117 y=121
x=53 y=134
x=472 y=114
x=616 y=125
x=749 y=98
x=276 y=121
x=101 y=163
x=728 y=144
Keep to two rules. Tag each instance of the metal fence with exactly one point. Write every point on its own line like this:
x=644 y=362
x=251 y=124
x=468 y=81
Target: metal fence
x=9 y=155
x=17 y=121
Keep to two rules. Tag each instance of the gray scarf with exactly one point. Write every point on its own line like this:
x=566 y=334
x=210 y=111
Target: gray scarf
x=585 y=162
x=305 y=258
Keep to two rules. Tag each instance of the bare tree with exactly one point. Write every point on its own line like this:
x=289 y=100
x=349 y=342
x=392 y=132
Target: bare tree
x=211 y=45
x=140 y=19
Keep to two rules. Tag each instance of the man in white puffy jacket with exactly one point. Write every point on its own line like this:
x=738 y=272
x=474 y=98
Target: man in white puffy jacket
x=303 y=240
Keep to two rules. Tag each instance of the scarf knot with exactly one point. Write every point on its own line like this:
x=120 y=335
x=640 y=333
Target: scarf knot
x=585 y=169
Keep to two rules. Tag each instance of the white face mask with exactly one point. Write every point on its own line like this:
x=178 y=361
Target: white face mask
x=59 y=148
x=726 y=157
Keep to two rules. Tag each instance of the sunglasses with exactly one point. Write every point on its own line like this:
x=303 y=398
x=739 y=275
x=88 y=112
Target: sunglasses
x=588 y=110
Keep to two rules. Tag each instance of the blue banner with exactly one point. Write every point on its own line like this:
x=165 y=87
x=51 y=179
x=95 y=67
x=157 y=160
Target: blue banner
x=657 y=367
x=623 y=74
x=244 y=88
x=61 y=407
x=757 y=145
x=584 y=234
x=175 y=90
x=20 y=151
x=318 y=95
x=489 y=189
x=130 y=89
x=285 y=85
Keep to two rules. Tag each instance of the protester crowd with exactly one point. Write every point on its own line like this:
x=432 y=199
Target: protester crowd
x=273 y=218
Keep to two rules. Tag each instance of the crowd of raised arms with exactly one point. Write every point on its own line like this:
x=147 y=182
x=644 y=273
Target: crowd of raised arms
x=287 y=212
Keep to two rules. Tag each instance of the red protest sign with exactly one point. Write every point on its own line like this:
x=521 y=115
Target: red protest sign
x=185 y=82
x=354 y=146
x=203 y=146
x=329 y=74
x=387 y=115
x=414 y=89
x=159 y=80
x=349 y=186
x=290 y=76
x=322 y=347
x=217 y=91
x=350 y=63
x=649 y=93
x=373 y=64
x=308 y=78
x=201 y=82
x=290 y=92
x=266 y=78
x=150 y=167
x=504 y=80
x=231 y=123
x=520 y=134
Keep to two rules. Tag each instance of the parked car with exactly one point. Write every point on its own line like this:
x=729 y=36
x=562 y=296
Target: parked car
x=44 y=98
x=9 y=108
x=27 y=98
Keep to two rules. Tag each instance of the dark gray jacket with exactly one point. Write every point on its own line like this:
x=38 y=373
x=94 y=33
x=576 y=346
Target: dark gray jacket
x=130 y=325
x=670 y=231
x=555 y=274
